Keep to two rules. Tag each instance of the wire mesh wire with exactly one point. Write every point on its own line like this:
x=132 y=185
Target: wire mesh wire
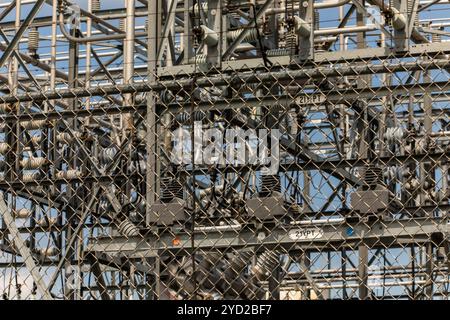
x=313 y=169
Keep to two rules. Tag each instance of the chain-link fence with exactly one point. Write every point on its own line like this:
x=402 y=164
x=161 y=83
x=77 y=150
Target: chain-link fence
x=225 y=150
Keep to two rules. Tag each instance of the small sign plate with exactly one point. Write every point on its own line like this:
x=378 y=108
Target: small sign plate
x=306 y=234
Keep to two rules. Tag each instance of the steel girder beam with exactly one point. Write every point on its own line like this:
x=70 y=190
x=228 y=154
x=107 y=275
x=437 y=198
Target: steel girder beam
x=335 y=96
x=335 y=236
x=345 y=95
x=21 y=62
x=246 y=31
x=7 y=10
x=166 y=31
x=356 y=55
x=73 y=238
x=299 y=150
x=103 y=14
x=12 y=46
x=97 y=271
x=302 y=152
x=323 y=165
x=37 y=63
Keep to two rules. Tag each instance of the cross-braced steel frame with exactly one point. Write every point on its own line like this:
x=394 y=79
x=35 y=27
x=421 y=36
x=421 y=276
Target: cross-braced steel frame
x=97 y=99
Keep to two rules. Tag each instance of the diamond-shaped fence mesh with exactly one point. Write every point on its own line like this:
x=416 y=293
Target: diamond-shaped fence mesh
x=267 y=149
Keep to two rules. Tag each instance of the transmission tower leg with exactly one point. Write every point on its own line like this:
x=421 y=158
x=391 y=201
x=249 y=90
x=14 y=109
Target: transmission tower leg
x=363 y=271
x=275 y=282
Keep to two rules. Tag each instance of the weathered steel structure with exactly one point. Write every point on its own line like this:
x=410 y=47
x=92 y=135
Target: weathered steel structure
x=224 y=149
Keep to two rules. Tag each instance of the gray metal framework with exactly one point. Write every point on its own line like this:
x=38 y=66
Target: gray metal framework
x=94 y=206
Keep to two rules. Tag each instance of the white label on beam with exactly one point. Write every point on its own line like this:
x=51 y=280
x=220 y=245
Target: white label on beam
x=306 y=234
x=311 y=99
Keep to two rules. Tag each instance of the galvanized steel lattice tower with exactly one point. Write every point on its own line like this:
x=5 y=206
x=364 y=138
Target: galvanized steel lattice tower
x=224 y=149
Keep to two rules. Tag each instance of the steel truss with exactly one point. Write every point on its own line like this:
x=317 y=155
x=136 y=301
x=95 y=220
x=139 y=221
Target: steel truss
x=94 y=206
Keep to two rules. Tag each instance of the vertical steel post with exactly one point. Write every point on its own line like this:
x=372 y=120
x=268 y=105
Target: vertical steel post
x=128 y=61
x=151 y=139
